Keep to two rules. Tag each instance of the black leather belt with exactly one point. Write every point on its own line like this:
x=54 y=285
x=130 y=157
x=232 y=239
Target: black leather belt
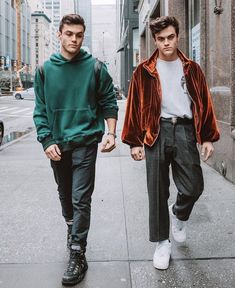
x=177 y=120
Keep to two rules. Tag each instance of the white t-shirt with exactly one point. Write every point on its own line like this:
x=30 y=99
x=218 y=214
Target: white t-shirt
x=175 y=98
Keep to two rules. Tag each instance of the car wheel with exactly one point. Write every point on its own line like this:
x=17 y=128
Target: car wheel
x=18 y=96
x=1 y=132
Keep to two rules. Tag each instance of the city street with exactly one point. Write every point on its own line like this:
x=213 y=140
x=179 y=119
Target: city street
x=33 y=234
x=174 y=62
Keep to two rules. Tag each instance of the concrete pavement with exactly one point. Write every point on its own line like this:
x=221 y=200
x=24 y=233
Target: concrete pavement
x=33 y=233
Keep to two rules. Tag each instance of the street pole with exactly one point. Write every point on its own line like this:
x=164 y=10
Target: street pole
x=103 y=46
x=18 y=33
x=10 y=78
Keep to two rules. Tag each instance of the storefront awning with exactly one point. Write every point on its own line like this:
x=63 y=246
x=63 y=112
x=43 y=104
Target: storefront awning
x=124 y=40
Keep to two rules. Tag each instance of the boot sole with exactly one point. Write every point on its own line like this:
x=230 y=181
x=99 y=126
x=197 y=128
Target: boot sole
x=75 y=281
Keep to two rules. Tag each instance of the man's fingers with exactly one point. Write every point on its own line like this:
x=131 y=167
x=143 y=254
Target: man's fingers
x=54 y=156
x=203 y=151
x=138 y=155
x=207 y=153
x=57 y=150
x=108 y=146
x=210 y=152
x=53 y=153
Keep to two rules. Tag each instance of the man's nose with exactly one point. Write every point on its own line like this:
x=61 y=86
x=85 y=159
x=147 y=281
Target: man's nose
x=74 y=38
x=166 y=41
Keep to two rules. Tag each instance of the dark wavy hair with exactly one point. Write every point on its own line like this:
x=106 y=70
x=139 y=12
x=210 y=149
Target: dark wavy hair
x=71 y=19
x=160 y=23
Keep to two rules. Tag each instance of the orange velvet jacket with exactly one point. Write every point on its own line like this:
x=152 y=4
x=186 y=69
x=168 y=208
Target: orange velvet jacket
x=141 y=124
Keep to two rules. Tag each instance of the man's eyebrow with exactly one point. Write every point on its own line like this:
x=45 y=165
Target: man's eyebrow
x=69 y=31
x=173 y=34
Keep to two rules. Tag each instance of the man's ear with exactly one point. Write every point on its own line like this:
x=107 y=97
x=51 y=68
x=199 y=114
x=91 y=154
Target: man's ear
x=154 y=39
x=178 y=38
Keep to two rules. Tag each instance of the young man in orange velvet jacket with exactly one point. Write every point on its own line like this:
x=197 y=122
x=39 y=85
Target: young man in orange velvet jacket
x=169 y=110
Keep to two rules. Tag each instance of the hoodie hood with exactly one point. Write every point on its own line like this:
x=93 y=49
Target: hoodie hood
x=58 y=59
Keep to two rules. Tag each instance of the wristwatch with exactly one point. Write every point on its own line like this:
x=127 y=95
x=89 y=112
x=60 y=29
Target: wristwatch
x=113 y=134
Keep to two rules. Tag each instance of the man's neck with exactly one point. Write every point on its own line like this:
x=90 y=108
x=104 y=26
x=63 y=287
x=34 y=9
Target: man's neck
x=68 y=56
x=168 y=59
x=172 y=58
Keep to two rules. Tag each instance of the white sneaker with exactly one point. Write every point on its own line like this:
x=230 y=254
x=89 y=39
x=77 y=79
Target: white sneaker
x=162 y=255
x=178 y=227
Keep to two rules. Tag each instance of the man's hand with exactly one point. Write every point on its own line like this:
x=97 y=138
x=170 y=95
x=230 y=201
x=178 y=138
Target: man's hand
x=53 y=152
x=108 y=143
x=137 y=153
x=207 y=150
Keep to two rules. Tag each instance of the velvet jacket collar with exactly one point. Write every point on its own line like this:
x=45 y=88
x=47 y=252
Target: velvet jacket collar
x=142 y=119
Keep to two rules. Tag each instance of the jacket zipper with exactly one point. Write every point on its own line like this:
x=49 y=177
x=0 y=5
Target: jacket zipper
x=196 y=114
x=160 y=94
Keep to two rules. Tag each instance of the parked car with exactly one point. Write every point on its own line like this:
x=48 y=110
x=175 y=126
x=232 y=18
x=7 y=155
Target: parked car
x=25 y=94
x=1 y=131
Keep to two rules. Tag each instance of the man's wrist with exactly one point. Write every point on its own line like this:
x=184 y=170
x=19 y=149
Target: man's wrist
x=113 y=134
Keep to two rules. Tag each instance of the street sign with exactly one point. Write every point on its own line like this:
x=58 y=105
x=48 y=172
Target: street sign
x=8 y=61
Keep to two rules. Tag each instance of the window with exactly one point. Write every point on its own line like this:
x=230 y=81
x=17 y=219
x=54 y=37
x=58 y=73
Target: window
x=195 y=10
x=194 y=30
x=136 y=44
x=36 y=19
x=135 y=6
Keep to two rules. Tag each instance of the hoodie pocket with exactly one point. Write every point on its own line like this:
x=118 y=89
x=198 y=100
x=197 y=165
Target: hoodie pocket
x=73 y=122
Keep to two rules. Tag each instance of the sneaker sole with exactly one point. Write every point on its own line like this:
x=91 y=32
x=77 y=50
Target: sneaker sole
x=161 y=268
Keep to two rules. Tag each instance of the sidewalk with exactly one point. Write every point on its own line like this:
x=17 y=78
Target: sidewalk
x=33 y=234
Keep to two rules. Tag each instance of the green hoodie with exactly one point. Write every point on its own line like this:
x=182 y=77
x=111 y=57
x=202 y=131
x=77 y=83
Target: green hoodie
x=69 y=108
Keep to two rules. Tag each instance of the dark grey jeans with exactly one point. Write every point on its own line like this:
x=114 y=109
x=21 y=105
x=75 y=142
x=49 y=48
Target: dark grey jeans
x=75 y=177
x=175 y=146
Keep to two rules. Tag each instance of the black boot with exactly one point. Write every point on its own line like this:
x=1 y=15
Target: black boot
x=76 y=268
x=69 y=236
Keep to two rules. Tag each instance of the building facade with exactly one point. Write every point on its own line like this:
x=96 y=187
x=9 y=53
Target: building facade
x=35 y=5
x=104 y=36
x=40 y=39
x=53 y=9
x=67 y=7
x=8 y=35
x=128 y=41
x=14 y=40
x=207 y=36
x=83 y=8
x=44 y=38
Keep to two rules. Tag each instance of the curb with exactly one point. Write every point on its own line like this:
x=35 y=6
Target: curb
x=4 y=146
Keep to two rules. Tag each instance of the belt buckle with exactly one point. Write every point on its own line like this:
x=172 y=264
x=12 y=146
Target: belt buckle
x=174 y=120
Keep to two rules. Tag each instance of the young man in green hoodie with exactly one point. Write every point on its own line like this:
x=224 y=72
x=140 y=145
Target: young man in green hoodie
x=72 y=100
